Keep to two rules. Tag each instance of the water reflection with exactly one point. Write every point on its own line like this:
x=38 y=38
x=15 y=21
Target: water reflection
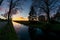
x=22 y=31
x=27 y=33
x=30 y=33
x=16 y=26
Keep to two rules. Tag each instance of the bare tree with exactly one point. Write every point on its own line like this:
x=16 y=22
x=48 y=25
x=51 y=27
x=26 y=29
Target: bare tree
x=13 y=4
x=13 y=11
x=1 y=2
x=47 y=6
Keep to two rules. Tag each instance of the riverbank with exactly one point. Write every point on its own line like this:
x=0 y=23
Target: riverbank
x=45 y=26
x=50 y=31
x=8 y=32
x=32 y=24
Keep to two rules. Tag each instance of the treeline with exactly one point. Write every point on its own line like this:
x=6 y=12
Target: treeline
x=41 y=7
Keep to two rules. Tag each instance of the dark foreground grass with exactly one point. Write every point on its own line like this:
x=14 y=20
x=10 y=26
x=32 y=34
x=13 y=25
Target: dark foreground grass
x=8 y=32
x=55 y=27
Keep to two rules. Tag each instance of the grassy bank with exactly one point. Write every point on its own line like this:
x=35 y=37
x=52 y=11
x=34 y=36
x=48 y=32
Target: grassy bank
x=8 y=32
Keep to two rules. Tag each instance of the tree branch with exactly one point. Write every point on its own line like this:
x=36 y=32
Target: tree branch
x=43 y=9
x=14 y=4
x=53 y=3
x=1 y=2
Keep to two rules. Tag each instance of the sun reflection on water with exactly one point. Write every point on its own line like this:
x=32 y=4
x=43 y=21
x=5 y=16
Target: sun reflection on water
x=16 y=26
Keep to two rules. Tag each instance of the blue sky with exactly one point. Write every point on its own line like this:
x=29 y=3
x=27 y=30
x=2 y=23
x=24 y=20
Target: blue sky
x=26 y=8
x=25 y=11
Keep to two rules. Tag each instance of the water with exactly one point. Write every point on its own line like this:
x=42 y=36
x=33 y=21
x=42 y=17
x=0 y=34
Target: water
x=22 y=31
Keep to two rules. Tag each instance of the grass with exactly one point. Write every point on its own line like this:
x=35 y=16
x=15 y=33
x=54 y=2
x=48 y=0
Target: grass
x=8 y=32
x=55 y=27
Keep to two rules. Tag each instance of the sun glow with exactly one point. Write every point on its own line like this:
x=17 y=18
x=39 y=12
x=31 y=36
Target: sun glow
x=20 y=19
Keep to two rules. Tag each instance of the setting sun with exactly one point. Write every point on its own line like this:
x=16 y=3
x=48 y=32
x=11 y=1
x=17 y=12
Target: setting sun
x=20 y=19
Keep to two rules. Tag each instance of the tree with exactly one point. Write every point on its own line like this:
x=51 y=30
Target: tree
x=14 y=4
x=1 y=2
x=32 y=14
x=46 y=6
x=13 y=11
x=11 y=6
x=57 y=15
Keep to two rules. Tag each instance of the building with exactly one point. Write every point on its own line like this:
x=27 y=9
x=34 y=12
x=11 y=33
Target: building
x=56 y=17
x=33 y=18
x=42 y=18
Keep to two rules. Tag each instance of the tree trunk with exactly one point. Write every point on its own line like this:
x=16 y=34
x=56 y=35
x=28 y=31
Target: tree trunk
x=48 y=17
x=10 y=7
x=48 y=11
x=9 y=15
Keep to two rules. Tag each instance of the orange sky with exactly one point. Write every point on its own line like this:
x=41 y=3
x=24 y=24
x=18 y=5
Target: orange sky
x=20 y=19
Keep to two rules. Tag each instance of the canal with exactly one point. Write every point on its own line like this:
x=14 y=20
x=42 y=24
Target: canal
x=26 y=32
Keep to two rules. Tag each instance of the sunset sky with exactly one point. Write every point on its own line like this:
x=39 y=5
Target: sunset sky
x=23 y=13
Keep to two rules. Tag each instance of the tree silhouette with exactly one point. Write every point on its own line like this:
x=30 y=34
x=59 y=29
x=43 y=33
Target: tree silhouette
x=14 y=4
x=13 y=11
x=32 y=14
x=11 y=6
x=1 y=2
x=57 y=15
x=46 y=6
